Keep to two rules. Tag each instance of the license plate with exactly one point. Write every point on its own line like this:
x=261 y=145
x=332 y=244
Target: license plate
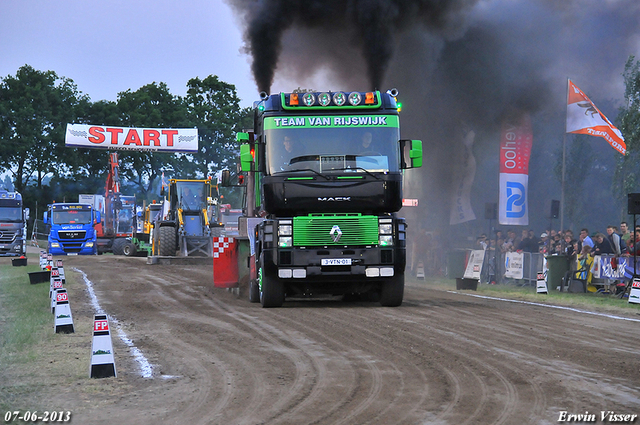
x=72 y=253
x=336 y=262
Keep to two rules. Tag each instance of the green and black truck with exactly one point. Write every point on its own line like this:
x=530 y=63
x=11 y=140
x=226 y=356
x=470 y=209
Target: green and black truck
x=324 y=175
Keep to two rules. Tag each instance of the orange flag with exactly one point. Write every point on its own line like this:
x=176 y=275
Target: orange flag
x=584 y=118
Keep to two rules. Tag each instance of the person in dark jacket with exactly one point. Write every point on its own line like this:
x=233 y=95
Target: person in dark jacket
x=602 y=245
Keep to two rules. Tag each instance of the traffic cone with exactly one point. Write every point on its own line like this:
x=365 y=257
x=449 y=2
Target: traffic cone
x=102 y=362
x=634 y=294
x=541 y=284
x=63 y=318
x=420 y=272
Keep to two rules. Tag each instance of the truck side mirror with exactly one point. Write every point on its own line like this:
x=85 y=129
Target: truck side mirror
x=225 y=178
x=26 y=214
x=246 y=158
x=411 y=153
x=98 y=218
x=44 y=218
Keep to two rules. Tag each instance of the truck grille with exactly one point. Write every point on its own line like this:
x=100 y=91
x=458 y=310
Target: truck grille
x=72 y=234
x=315 y=230
x=7 y=236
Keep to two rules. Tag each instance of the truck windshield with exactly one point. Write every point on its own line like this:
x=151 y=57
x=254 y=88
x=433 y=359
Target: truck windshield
x=191 y=196
x=329 y=149
x=72 y=217
x=10 y=214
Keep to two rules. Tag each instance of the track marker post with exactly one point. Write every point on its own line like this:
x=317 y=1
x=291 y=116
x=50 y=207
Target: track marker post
x=634 y=294
x=541 y=283
x=60 y=270
x=102 y=361
x=62 y=313
x=56 y=285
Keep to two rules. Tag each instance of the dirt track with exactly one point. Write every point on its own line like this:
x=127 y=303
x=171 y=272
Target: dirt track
x=440 y=358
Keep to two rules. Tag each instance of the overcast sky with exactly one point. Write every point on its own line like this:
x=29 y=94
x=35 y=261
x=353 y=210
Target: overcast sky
x=109 y=46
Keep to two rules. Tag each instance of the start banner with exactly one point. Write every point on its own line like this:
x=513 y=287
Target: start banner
x=128 y=138
x=515 y=148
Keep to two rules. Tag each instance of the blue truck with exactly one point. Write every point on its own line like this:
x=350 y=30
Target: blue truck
x=13 y=224
x=72 y=229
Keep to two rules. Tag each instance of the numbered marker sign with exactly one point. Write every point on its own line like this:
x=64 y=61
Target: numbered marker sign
x=61 y=297
x=55 y=273
x=57 y=284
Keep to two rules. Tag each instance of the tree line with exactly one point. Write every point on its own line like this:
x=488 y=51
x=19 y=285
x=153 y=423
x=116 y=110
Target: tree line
x=35 y=107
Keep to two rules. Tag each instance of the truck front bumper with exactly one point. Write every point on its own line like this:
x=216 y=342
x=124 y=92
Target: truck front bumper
x=345 y=264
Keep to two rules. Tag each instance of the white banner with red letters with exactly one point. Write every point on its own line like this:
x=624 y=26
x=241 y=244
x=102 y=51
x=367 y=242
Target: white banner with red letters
x=515 y=148
x=129 y=138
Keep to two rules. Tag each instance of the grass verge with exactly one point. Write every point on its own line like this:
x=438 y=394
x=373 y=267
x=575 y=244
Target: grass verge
x=36 y=364
x=589 y=301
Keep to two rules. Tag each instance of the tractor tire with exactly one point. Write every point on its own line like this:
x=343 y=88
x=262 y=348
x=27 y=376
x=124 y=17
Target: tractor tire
x=117 y=247
x=270 y=287
x=167 y=241
x=254 y=291
x=130 y=250
x=392 y=291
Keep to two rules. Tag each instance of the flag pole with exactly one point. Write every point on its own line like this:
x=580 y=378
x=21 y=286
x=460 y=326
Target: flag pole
x=564 y=156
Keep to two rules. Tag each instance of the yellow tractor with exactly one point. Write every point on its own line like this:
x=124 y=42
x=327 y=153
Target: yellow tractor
x=185 y=225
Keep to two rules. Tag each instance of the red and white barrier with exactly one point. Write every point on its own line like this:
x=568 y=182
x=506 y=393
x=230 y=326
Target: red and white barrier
x=225 y=262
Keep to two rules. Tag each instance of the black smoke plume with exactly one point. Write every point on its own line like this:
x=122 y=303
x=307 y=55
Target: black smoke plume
x=371 y=25
x=457 y=64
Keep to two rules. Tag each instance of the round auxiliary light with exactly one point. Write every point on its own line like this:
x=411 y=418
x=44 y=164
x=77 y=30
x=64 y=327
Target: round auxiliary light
x=324 y=99
x=309 y=99
x=339 y=98
x=355 y=98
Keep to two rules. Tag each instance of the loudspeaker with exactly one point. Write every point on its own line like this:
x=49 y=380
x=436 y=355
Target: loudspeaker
x=554 y=211
x=633 y=203
x=490 y=211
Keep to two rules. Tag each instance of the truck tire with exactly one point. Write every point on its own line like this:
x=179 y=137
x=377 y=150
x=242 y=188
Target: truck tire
x=270 y=287
x=392 y=291
x=254 y=291
x=167 y=241
x=130 y=249
x=118 y=246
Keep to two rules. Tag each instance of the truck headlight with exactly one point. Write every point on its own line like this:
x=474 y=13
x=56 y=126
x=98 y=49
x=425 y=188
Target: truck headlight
x=285 y=241
x=285 y=230
x=386 y=240
x=55 y=245
x=386 y=229
x=89 y=244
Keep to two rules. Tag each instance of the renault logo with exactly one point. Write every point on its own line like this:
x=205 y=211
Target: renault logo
x=335 y=233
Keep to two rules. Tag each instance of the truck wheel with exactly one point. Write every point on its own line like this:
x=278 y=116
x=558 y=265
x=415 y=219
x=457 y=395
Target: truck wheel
x=130 y=250
x=118 y=246
x=271 y=289
x=254 y=291
x=167 y=241
x=392 y=291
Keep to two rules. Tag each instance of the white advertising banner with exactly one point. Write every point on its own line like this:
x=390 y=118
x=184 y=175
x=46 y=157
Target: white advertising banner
x=129 y=138
x=464 y=174
x=474 y=265
x=514 y=265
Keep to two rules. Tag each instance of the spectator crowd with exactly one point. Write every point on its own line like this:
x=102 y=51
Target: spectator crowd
x=618 y=241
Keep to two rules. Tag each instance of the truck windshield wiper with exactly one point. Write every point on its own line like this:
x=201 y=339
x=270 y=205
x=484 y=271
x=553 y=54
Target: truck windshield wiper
x=358 y=168
x=305 y=169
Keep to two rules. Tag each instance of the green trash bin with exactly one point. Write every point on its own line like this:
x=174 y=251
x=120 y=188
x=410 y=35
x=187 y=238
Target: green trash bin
x=558 y=266
x=456 y=263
